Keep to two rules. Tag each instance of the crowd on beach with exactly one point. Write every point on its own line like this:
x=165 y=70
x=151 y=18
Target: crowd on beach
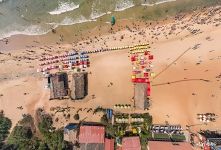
x=187 y=24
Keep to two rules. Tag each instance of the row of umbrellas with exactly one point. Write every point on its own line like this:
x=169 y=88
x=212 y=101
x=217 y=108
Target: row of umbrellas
x=61 y=67
x=207 y=117
x=122 y=120
x=65 y=61
x=169 y=127
x=69 y=60
x=122 y=106
x=72 y=53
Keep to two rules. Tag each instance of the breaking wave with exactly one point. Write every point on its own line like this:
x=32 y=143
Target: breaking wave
x=64 y=7
x=70 y=21
x=157 y=3
x=28 y=30
x=96 y=15
x=123 y=4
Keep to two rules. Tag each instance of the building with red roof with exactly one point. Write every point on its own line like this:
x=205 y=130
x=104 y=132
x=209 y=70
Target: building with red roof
x=160 y=145
x=109 y=144
x=91 y=134
x=131 y=143
x=91 y=137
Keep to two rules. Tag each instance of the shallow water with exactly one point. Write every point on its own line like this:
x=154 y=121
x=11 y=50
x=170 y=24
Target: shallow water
x=38 y=16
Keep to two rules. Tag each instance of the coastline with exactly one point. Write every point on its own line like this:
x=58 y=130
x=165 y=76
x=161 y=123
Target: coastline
x=72 y=34
x=24 y=87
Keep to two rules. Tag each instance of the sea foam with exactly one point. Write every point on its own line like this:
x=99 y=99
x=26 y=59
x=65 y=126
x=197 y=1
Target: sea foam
x=64 y=7
x=123 y=5
x=70 y=21
x=29 y=30
x=157 y=3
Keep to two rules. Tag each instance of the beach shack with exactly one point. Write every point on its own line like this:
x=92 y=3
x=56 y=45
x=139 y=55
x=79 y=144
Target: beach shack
x=58 y=85
x=79 y=87
x=140 y=95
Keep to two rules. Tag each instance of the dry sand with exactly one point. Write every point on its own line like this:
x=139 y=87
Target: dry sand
x=176 y=103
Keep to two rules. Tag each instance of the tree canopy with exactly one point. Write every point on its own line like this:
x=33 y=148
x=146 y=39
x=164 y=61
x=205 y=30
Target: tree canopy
x=5 y=125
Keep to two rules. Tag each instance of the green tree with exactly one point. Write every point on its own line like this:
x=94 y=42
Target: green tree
x=104 y=119
x=45 y=124
x=43 y=146
x=22 y=137
x=76 y=117
x=5 y=125
x=54 y=139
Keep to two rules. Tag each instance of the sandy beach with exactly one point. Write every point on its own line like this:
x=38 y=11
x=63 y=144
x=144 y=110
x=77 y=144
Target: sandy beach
x=187 y=59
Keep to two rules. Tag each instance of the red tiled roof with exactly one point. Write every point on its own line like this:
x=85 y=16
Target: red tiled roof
x=157 y=145
x=91 y=134
x=131 y=143
x=206 y=147
x=140 y=80
x=109 y=144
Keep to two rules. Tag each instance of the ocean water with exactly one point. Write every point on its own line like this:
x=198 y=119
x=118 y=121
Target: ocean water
x=36 y=17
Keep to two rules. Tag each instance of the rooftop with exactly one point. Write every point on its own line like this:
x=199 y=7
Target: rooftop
x=92 y=146
x=109 y=144
x=71 y=126
x=131 y=143
x=158 y=145
x=140 y=96
x=91 y=134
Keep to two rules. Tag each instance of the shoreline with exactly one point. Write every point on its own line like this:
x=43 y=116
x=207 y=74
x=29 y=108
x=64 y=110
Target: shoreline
x=168 y=40
x=72 y=34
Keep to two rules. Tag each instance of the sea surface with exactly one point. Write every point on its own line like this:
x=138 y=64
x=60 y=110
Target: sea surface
x=36 y=17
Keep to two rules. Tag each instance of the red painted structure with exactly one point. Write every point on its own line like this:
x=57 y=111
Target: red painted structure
x=143 y=80
x=148 y=88
x=91 y=134
x=109 y=144
x=131 y=143
x=140 y=80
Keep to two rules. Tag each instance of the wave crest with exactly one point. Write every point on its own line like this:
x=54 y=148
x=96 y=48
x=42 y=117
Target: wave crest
x=123 y=4
x=64 y=7
x=28 y=30
x=157 y=3
x=70 y=21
